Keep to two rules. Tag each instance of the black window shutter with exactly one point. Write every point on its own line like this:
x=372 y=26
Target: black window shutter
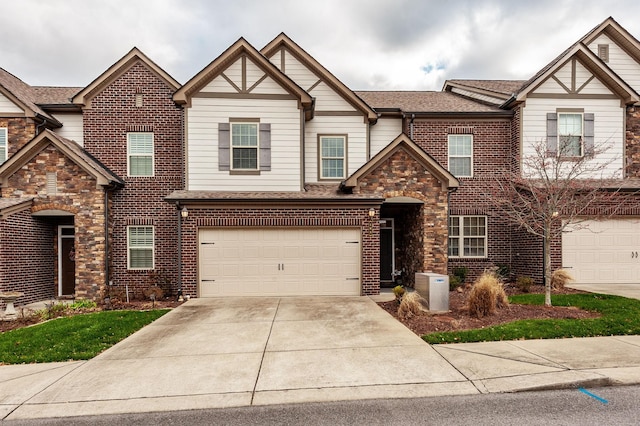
x=224 y=154
x=552 y=134
x=589 y=119
x=265 y=146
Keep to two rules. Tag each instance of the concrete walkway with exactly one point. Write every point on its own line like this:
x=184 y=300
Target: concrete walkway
x=212 y=353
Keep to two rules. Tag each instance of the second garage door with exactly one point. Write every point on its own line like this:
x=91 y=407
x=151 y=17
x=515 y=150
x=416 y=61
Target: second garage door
x=279 y=261
x=605 y=252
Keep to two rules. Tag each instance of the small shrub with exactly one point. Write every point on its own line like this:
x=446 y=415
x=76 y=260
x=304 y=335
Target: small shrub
x=399 y=292
x=486 y=295
x=454 y=282
x=503 y=271
x=461 y=272
x=83 y=304
x=154 y=293
x=412 y=304
x=524 y=283
x=560 y=278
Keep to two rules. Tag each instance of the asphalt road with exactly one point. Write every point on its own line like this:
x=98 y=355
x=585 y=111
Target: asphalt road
x=603 y=406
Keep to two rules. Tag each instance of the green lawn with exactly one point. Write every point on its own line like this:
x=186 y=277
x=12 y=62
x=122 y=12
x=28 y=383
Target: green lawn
x=75 y=337
x=620 y=316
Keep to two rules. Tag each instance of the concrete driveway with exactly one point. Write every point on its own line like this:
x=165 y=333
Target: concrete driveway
x=236 y=352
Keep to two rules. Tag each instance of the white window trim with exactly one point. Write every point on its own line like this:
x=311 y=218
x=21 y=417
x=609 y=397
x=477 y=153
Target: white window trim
x=343 y=158
x=257 y=147
x=153 y=158
x=152 y=247
x=6 y=144
x=581 y=114
x=461 y=237
x=449 y=156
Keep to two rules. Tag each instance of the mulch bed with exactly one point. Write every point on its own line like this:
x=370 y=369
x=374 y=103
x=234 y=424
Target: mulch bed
x=459 y=319
x=135 y=305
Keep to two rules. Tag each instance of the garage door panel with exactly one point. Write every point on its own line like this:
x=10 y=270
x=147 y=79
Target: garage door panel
x=601 y=252
x=279 y=261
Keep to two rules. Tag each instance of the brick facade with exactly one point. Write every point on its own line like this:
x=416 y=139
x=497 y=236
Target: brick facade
x=492 y=152
x=207 y=217
x=112 y=114
x=28 y=256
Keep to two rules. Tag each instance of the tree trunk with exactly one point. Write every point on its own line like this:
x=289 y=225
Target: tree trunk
x=547 y=265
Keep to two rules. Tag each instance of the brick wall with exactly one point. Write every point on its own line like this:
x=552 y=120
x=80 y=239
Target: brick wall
x=77 y=194
x=27 y=260
x=492 y=152
x=282 y=217
x=106 y=123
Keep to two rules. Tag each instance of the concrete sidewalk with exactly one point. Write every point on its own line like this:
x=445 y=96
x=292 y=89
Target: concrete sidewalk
x=212 y=353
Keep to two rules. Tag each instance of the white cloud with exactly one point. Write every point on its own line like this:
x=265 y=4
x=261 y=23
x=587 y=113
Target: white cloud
x=383 y=44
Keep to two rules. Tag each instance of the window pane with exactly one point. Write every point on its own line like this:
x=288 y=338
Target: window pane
x=332 y=168
x=474 y=246
x=140 y=143
x=459 y=144
x=141 y=258
x=570 y=146
x=140 y=236
x=244 y=134
x=245 y=158
x=3 y=145
x=454 y=226
x=460 y=166
x=332 y=147
x=454 y=247
x=570 y=124
x=141 y=166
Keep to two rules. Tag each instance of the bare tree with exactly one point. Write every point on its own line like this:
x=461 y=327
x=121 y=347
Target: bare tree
x=551 y=191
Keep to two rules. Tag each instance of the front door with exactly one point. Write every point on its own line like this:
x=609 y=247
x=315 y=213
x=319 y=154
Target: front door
x=66 y=261
x=387 y=255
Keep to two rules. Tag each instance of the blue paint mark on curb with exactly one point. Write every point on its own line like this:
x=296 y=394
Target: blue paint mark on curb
x=594 y=396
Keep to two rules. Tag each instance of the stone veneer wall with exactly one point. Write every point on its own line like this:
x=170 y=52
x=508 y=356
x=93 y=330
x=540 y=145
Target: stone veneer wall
x=27 y=260
x=632 y=148
x=20 y=130
x=76 y=193
x=401 y=176
x=282 y=217
x=113 y=113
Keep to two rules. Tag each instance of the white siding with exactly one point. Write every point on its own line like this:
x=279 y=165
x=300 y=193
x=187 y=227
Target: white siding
x=219 y=85
x=71 y=127
x=383 y=133
x=328 y=100
x=582 y=84
x=7 y=106
x=609 y=125
x=202 y=128
x=550 y=86
x=352 y=126
x=619 y=61
x=268 y=86
x=298 y=72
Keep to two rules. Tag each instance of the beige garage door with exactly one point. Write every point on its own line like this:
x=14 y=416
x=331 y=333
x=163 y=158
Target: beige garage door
x=279 y=262
x=607 y=252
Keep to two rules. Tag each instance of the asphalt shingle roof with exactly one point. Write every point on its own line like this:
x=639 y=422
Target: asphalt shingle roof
x=438 y=102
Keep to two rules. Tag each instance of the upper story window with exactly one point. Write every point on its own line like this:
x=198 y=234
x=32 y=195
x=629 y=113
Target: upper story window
x=461 y=155
x=332 y=157
x=140 y=153
x=4 y=148
x=244 y=146
x=467 y=236
x=140 y=243
x=570 y=134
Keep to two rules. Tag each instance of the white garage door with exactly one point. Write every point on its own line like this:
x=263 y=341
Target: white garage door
x=279 y=262
x=606 y=252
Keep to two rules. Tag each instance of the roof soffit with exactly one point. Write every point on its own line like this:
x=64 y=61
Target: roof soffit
x=404 y=142
x=227 y=58
x=118 y=69
x=283 y=41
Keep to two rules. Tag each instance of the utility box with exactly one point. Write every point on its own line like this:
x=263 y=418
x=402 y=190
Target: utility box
x=435 y=289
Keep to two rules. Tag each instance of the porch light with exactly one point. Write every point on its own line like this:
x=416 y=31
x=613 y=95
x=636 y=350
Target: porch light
x=184 y=212
x=372 y=212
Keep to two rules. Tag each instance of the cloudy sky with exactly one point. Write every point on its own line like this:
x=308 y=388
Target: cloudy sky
x=368 y=44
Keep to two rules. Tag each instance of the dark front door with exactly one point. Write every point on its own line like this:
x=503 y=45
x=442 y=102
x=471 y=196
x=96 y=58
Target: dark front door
x=67 y=264
x=386 y=250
